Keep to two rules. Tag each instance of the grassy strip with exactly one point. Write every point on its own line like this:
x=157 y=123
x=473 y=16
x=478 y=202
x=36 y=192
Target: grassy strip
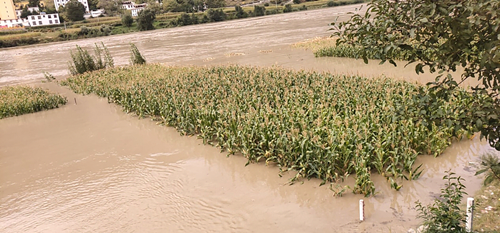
x=165 y=20
x=321 y=125
x=487 y=209
x=18 y=100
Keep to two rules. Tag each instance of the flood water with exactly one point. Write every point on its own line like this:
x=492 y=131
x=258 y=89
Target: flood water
x=89 y=167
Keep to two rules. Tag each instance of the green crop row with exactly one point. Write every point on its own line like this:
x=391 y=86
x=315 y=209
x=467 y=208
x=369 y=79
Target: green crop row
x=319 y=124
x=18 y=100
x=355 y=52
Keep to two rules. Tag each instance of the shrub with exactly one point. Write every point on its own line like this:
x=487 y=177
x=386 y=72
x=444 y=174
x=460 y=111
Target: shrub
x=183 y=19
x=136 y=58
x=216 y=15
x=259 y=11
x=288 y=8
x=84 y=62
x=83 y=30
x=240 y=13
x=266 y=4
x=331 y=4
x=444 y=215
x=296 y=1
x=194 y=19
x=205 y=19
x=127 y=20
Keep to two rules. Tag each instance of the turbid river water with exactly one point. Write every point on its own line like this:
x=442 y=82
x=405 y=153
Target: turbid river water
x=88 y=167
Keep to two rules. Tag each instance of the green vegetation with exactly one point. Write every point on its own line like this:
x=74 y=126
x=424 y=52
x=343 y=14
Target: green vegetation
x=487 y=208
x=73 y=10
x=321 y=125
x=15 y=101
x=84 y=62
x=145 y=20
x=442 y=36
x=127 y=20
x=354 y=52
x=136 y=57
x=445 y=215
x=490 y=165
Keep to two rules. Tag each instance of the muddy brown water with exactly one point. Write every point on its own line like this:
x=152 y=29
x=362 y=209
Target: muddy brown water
x=89 y=167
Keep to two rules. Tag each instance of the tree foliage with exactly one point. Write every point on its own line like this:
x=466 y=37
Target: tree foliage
x=188 y=6
x=215 y=3
x=441 y=36
x=216 y=15
x=25 y=13
x=93 y=4
x=259 y=10
x=145 y=20
x=127 y=20
x=112 y=7
x=240 y=13
x=74 y=10
x=34 y=3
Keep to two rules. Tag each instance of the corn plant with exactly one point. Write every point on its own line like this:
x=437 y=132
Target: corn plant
x=84 y=62
x=318 y=124
x=136 y=58
x=20 y=100
x=356 y=52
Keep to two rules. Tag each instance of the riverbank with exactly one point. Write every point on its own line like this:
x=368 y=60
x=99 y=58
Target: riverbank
x=105 y=26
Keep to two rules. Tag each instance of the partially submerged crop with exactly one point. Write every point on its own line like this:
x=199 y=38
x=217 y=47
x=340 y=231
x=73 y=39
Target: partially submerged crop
x=319 y=124
x=20 y=100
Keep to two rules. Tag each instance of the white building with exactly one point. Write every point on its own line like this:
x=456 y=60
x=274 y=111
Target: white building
x=43 y=19
x=128 y=5
x=97 y=13
x=13 y=23
x=58 y=3
x=134 y=8
x=138 y=8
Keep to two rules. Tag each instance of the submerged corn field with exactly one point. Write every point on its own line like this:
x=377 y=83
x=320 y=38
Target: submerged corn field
x=20 y=100
x=327 y=47
x=317 y=124
x=355 y=52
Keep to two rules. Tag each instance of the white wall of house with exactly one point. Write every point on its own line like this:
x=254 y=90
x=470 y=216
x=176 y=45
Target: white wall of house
x=133 y=8
x=10 y=23
x=58 y=3
x=128 y=5
x=43 y=20
x=135 y=11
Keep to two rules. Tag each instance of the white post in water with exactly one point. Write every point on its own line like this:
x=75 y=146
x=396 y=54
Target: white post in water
x=361 y=210
x=470 y=213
